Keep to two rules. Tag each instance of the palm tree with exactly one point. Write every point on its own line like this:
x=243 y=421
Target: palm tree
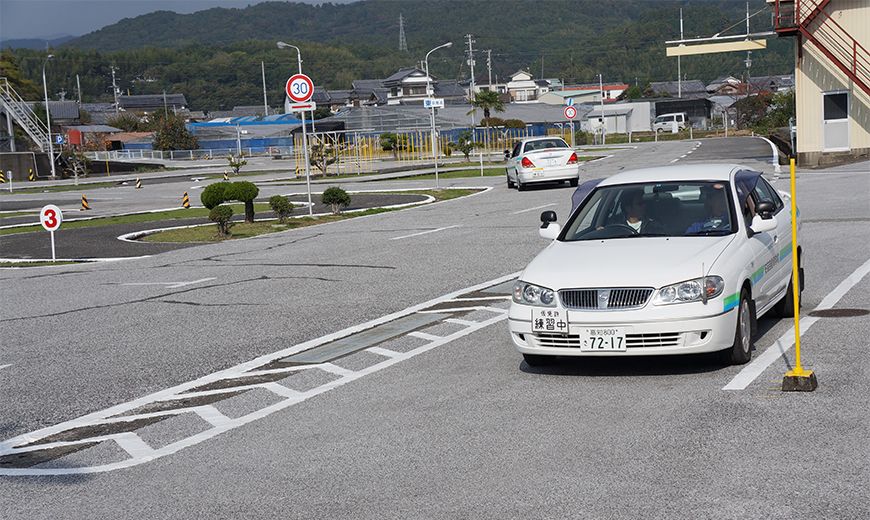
x=487 y=100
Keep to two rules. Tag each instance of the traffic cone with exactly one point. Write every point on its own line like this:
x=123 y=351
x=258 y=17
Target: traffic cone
x=298 y=170
x=30 y=175
x=138 y=183
x=85 y=206
x=185 y=201
x=226 y=176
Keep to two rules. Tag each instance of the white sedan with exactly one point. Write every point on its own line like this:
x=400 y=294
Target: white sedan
x=671 y=260
x=542 y=159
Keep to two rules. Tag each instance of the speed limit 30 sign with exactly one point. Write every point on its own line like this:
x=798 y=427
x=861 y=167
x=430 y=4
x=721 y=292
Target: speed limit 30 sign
x=300 y=88
x=570 y=112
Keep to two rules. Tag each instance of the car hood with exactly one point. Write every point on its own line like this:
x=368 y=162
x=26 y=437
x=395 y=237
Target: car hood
x=628 y=262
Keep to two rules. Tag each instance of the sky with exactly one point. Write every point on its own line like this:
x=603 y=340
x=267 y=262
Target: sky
x=53 y=18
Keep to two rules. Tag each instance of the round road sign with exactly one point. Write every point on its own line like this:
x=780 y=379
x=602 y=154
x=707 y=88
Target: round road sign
x=300 y=88
x=570 y=112
x=50 y=217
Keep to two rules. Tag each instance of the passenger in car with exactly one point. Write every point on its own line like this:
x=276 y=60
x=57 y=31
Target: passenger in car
x=716 y=206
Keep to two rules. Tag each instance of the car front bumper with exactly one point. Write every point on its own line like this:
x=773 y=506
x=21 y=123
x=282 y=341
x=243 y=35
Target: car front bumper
x=685 y=333
x=549 y=174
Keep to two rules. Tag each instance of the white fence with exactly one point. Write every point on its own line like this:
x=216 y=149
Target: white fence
x=181 y=155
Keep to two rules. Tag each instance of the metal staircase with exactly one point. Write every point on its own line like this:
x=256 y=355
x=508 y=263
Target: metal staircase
x=23 y=115
x=808 y=19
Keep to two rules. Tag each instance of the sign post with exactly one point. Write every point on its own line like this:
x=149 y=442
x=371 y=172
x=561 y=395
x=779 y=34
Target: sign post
x=51 y=217
x=299 y=89
x=432 y=104
x=570 y=113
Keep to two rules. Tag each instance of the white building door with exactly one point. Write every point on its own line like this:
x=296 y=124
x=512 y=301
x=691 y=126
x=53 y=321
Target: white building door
x=835 y=121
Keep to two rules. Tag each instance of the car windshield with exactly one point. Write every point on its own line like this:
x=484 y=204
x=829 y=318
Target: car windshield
x=662 y=209
x=545 y=144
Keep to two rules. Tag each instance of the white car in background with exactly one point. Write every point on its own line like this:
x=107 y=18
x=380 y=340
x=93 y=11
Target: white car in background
x=671 y=260
x=542 y=159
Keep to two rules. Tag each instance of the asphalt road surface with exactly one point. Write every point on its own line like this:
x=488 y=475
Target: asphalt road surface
x=363 y=369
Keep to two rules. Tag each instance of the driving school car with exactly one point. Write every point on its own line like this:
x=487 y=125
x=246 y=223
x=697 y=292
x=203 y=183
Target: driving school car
x=542 y=159
x=659 y=261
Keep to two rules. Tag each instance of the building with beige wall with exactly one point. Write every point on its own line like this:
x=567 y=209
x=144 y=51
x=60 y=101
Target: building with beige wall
x=832 y=76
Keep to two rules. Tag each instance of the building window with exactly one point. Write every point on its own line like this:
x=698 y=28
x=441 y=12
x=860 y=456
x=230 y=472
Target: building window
x=836 y=106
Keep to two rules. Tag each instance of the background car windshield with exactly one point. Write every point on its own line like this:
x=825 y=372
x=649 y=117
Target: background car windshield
x=545 y=144
x=656 y=209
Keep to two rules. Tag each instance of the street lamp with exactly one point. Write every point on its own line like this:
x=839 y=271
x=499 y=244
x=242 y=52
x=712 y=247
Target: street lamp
x=282 y=45
x=48 y=117
x=429 y=95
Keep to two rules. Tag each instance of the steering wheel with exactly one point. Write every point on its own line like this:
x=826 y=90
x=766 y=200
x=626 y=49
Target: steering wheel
x=624 y=227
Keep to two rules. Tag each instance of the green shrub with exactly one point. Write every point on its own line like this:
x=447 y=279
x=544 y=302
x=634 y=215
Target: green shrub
x=214 y=194
x=236 y=163
x=281 y=206
x=222 y=215
x=244 y=191
x=336 y=198
x=514 y=123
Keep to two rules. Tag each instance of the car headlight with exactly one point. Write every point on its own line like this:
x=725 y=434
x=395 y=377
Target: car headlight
x=530 y=294
x=695 y=290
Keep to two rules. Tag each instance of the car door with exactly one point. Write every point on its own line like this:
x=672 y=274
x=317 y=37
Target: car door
x=513 y=162
x=761 y=246
x=781 y=268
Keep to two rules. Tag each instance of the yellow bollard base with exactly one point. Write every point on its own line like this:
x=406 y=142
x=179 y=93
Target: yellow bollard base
x=803 y=381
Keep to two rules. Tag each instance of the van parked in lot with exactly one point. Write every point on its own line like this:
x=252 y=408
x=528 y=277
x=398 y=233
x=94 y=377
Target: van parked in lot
x=665 y=122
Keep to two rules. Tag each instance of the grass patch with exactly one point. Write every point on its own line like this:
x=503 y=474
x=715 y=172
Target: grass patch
x=208 y=234
x=35 y=264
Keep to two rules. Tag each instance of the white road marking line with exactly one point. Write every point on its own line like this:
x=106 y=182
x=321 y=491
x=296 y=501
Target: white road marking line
x=282 y=390
x=424 y=232
x=690 y=151
x=532 y=209
x=384 y=352
x=786 y=341
x=5 y=366
x=423 y=335
x=181 y=391
x=170 y=285
x=478 y=298
x=211 y=415
x=134 y=445
x=675 y=160
x=457 y=321
x=337 y=370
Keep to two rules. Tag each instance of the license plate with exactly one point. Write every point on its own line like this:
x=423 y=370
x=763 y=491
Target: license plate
x=603 y=340
x=554 y=321
x=554 y=162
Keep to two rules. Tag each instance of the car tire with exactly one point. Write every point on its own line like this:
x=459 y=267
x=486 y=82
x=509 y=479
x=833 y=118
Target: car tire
x=741 y=350
x=574 y=182
x=537 y=360
x=510 y=183
x=784 y=308
x=520 y=185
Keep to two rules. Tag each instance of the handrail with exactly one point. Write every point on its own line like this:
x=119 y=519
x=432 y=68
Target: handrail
x=17 y=103
x=836 y=42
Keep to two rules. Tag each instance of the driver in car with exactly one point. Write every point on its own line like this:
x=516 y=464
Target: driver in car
x=716 y=210
x=634 y=208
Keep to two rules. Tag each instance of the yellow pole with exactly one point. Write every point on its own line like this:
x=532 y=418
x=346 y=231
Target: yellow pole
x=795 y=279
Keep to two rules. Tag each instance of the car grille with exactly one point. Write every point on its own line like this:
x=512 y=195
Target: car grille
x=605 y=299
x=655 y=339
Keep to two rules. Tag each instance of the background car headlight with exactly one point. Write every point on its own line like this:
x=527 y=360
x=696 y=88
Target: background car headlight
x=690 y=290
x=530 y=294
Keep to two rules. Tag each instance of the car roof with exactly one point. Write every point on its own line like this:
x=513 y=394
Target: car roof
x=686 y=172
x=541 y=138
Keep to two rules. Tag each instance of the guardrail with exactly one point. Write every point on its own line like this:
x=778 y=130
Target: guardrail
x=181 y=155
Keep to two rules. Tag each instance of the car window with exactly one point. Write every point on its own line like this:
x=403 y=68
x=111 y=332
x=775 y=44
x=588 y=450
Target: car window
x=675 y=209
x=764 y=191
x=516 y=149
x=544 y=144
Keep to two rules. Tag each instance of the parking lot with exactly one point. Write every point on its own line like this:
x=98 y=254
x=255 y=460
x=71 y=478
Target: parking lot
x=419 y=406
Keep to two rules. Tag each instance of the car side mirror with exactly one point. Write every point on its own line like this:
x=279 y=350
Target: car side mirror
x=765 y=209
x=546 y=218
x=551 y=232
x=762 y=225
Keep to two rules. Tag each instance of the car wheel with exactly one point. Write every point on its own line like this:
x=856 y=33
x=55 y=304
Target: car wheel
x=574 y=182
x=741 y=350
x=536 y=360
x=520 y=185
x=784 y=308
x=510 y=183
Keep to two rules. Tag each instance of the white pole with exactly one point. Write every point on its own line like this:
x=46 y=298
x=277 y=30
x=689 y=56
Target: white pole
x=48 y=121
x=239 y=141
x=265 y=100
x=53 y=257
x=307 y=164
x=603 y=121
x=9 y=176
x=679 y=69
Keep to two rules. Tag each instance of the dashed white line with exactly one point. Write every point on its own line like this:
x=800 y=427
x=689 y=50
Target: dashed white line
x=457 y=321
x=533 y=209
x=170 y=285
x=5 y=366
x=423 y=335
x=134 y=445
x=425 y=232
x=786 y=341
x=212 y=415
x=384 y=352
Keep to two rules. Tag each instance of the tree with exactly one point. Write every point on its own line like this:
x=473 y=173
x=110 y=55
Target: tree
x=465 y=144
x=10 y=69
x=514 y=123
x=394 y=143
x=222 y=215
x=236 y=163
x=321 y=156
x=487 y=100
x=632 y=92
x=129 y=122
x=322 y=112
x=779 y=111
x=246 y=192
x=171 y=134
x=282 y=207
x=336 y=198
x=751 y=109
x=214 y=194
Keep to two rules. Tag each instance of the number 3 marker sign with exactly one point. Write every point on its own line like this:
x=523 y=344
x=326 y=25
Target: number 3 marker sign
x=51 y=217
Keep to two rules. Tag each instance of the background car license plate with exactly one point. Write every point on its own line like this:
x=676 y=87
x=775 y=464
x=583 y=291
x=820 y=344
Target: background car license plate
x=604 y=339
x=550 y=320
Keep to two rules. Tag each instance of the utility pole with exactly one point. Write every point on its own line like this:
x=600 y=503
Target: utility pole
x=679 y=68
x=470 y=40
x=265 y=100
x=542 y=66
x=489 y=67
x=79 y=89
x=603 y=123
x=165 y=109
x=115 y=90
x=403 y=43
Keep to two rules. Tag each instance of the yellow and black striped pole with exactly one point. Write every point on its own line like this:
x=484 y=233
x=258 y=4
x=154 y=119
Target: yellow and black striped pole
x=85 y=205
x=2 y=177
x=31 y=176
x=226 y=176
x=138 y=183
x=185 y=201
